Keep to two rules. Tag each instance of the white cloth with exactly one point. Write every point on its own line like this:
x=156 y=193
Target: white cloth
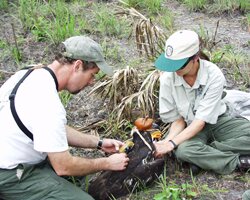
x=239 y=103
x=201 y=101
x=41 y=111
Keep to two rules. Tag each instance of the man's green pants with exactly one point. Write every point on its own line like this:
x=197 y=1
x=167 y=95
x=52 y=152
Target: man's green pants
x=33 y=182
x=218 y=146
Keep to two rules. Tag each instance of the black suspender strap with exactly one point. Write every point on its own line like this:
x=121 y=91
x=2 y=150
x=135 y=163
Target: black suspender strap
x=13 y=108
x=53 y=75
x=12 y=100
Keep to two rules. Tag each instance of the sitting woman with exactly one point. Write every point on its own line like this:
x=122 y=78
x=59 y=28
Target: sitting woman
x=191 y=98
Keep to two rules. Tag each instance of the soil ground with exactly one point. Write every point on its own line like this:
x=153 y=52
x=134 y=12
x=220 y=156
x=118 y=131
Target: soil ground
x=84 y=109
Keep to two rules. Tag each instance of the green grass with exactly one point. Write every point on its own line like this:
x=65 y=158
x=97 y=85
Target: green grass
x=172 y=190
x=218 y=6
x=4 y=5
x=244 y=5
x=133 y=3
x=65 y=97
x=228 y=6
x=154 y=6
x=107 y=23
x=195 y=5
x=3 y=44
x=248 y=20
x=48 y=21
x=151 y=6
x=113 y=53
x=167 y=21
x=176 y=190
x=63 y=23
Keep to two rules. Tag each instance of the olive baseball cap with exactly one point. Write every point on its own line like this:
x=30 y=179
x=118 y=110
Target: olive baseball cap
x=180 y=46
x=84 y=48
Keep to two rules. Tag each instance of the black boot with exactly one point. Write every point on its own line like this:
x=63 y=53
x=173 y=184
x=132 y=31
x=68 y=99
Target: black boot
x=244 y=163
x=194 y=169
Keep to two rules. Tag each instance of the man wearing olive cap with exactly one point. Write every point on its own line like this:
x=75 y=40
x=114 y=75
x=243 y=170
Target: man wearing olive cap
x=191 y=98
x=33 y=127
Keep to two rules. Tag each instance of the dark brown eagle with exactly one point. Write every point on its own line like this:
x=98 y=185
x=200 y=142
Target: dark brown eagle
x=142 y=169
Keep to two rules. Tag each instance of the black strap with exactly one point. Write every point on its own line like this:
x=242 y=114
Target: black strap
x=13 y=108
x=53 y=75
x=12 y=100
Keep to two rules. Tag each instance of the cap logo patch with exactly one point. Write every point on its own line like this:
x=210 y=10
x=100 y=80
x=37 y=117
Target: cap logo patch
x=169 y=50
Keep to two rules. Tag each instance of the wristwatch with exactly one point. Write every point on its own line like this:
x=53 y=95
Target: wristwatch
x=173 y=143
x=99 y=144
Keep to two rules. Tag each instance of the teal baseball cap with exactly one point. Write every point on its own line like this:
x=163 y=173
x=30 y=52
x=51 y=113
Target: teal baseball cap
x=84 y=48
x=180 y=46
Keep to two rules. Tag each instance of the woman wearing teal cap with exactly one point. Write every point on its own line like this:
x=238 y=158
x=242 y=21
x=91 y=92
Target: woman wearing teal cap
x=191 y=98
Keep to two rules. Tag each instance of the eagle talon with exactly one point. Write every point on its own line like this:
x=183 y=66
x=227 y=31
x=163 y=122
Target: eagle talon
x=127 y=147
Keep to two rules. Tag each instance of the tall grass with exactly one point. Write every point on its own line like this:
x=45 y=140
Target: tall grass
x=218 y=6
x=3 y=5
x=151 y=6
x=26 y=13
x=65 y=97
x=195 y=5
x=167 y=19
x=108 y=23
x=238 y=65
x=244 y=5
x=63 y=23
x=228 y=6
x=133 y=3
x=51 y=20
x=190 y=189
x=248 y=21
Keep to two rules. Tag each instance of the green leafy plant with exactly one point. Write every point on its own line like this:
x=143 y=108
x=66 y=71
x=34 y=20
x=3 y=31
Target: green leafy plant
x=244 y=5
x=248 y=24
x=150 y=6
x=107 y=22
x=15 y=51
x=208 y=41
x=63 y=23
x=113 y=52
x=167 y=19
x=65 y=97
x=115 y=129
x=238 y=63
x=173 y=191
x=216 y=56
x=4 y=5
x=29 y=12
x=132 y=3
x=153 y=6
x=195 y=5
x=228 y=6
x=51 y=20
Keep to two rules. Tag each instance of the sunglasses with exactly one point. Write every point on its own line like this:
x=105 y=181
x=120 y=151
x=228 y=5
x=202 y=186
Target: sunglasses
x=186 y=63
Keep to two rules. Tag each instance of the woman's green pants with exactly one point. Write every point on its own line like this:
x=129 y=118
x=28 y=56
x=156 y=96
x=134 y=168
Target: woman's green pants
x=218 y=146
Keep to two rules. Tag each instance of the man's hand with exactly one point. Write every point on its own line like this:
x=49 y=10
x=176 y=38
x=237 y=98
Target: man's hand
x=163 y=147
x=118 y=161
x=111 y=145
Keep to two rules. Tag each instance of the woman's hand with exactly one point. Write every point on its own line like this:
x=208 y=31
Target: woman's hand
x=163 y=147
